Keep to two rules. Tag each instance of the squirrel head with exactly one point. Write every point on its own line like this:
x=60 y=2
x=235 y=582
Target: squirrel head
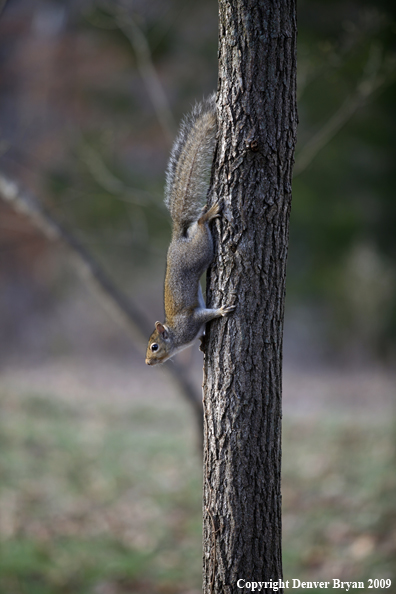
x=159 y=347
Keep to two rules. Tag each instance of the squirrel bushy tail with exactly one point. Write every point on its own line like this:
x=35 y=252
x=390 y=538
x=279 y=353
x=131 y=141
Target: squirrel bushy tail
x=190 y=164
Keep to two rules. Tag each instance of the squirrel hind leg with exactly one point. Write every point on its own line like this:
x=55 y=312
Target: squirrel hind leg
x=212 y=213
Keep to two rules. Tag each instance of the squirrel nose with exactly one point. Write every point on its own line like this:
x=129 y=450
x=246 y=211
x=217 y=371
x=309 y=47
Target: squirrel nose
x=148 y=362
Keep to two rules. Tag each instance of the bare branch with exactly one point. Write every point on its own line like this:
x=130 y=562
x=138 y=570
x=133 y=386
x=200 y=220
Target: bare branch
x=148 y=72
x=127 y=24
x=371 y=81
x=326 y=133
x=124 y=311
x=113 y=184
x=2 y=5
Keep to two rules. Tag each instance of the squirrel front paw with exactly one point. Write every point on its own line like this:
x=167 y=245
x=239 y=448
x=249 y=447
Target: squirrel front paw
x=226 y=309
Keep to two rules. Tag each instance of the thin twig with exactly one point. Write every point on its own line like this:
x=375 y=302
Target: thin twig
x=326 y=133
x=146 y=67
x=370 y=83
x=2 y=5
x=112 y=184
x=149 y=74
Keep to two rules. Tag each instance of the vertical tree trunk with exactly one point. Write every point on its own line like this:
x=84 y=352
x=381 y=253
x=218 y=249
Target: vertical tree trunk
x=243 y=353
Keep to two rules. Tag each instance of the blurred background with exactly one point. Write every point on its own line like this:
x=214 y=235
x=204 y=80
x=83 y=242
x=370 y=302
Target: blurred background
x=100 y=471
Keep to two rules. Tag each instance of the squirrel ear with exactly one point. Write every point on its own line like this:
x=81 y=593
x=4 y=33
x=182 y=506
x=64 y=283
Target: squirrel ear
x=161 y=329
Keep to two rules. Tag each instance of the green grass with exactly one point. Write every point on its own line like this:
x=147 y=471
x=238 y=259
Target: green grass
x=339 y=499
x=92 y=496
x=107 y=500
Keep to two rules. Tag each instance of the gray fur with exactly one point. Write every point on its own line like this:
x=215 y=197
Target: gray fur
x=190 y=164
x=191 y=248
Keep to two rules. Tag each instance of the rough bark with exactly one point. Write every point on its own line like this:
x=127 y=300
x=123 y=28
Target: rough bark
x=243 y=352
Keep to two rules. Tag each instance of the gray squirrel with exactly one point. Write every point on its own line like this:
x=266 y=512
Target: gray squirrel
x=191 y=248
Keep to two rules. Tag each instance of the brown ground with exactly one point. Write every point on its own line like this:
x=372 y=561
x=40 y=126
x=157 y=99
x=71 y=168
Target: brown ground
x=370 y=392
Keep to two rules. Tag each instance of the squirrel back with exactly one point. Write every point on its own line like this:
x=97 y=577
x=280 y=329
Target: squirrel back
x=190 y=164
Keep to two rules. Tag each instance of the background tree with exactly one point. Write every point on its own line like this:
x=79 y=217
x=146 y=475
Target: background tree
x=243 y=354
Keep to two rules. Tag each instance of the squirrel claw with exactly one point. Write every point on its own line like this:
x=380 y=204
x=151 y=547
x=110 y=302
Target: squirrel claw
x=226 y=309
x=212 y=213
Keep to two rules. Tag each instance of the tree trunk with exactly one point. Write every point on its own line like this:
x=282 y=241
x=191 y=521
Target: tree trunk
x=257 y=121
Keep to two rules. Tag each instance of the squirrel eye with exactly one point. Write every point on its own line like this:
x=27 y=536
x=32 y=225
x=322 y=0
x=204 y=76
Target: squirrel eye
x=154 y=347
